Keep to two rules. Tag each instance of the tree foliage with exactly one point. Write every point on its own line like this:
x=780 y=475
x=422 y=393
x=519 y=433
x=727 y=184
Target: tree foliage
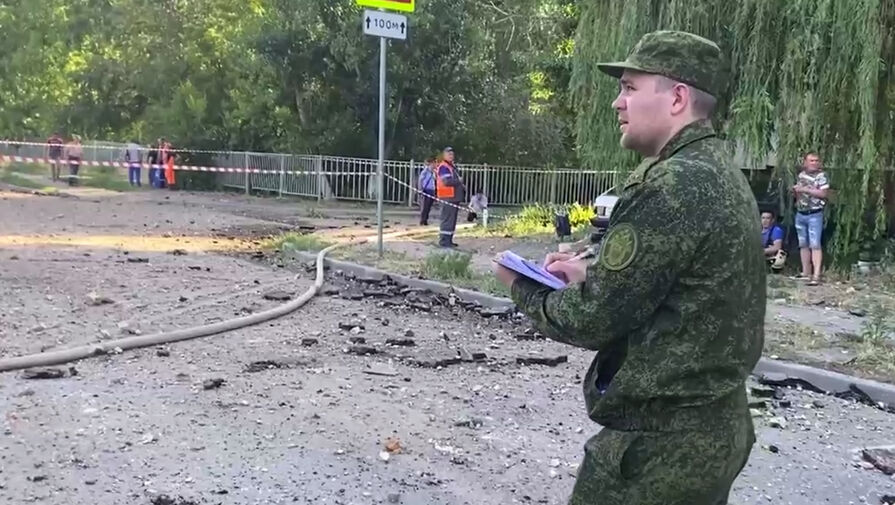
x=807 y=75
x=486 y=76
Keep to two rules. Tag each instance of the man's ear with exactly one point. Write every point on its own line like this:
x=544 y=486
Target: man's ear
x=680 y=98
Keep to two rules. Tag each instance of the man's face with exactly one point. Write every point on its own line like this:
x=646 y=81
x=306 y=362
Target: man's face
x=449 y=156
x=766 y=219
x=812 y=163
x=644 y=114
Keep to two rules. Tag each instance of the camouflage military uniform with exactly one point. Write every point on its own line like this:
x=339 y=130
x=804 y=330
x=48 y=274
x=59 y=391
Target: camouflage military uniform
x=675 y=307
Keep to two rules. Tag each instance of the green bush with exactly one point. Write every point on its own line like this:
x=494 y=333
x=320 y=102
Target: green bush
x=539 y=218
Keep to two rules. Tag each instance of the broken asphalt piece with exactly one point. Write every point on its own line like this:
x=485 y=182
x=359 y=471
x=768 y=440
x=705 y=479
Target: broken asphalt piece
x=784 y=404
x=777 y=422
x=95 y=299
x=472 y=357
x=362 y=350
x=384 y=372
x=164 y=499
x=469 y=423
x=762 y=392
x=37 y=478
x=162 y=353
x=183 y=299
x=496 y=312
x=758 y=404
x=783 y=380
x=409 y=333
x=177 y=252
x=260 y=366
x=350 y=325
x=529 y=334
x=400 y=342
x=357 y=340
x=194 y=267
x=376 y=293
x=855 y=393
x=277 y=295
x=883 y=458
x=420 y=306
x=537 y=360
x=138 y=260
x=43 y=373
x=439 y=363
x=887 y=499
x=857 y=312
x=212 y=383
x=329 y=291
x=353 y=295
x=308 y=342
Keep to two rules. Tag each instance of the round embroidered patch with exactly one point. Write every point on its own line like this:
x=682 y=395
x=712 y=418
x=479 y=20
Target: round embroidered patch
x=619 y=247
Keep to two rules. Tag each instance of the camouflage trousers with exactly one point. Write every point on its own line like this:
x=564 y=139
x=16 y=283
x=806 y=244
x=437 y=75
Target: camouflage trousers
x=663 y=468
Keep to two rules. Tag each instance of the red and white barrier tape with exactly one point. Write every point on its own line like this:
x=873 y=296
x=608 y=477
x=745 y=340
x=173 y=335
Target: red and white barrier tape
x=125 y=164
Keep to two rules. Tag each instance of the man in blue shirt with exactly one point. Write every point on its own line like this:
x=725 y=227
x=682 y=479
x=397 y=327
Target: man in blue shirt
x=771 y=235
x=427 y=186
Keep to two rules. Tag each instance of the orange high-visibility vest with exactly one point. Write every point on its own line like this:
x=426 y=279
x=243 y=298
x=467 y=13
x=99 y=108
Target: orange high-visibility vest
x=442 y=190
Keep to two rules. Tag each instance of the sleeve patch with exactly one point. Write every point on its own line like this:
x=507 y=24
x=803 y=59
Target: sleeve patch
x=619 y=247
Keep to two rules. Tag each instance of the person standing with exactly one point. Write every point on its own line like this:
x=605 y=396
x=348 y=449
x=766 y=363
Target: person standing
x=427 y=190
x=169 y=165
x=74 y=153
x=811 y=199
x=675 y=303
x=54 y=154
x=450 y=190
x=152 y=159
x=133 y=155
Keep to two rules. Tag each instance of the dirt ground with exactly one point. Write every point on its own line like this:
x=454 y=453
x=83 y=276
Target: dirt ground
x=296 y=410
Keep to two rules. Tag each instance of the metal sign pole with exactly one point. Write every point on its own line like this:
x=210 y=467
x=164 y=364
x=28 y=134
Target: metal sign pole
x=379 y=183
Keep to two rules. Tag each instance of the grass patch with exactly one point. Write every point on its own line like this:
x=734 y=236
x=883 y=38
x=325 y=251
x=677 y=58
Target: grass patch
x=876 y=343
x=456 y=268
x=298 y=242
x=105 y=178
x=30 y=168
x=15 y=179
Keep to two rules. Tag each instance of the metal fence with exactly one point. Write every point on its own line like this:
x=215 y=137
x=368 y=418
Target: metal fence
x=354 y=179
x=340 y=178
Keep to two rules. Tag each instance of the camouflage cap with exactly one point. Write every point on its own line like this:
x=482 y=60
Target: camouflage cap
x=681 y=56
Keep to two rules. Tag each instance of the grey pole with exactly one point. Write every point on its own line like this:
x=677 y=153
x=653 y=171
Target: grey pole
x=382 y=48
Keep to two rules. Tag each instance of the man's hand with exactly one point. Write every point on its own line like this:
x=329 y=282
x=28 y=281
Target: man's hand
x=557 y=256
x=506 y=276
x=569 y=270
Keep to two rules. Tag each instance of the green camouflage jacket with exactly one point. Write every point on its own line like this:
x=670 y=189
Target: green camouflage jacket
x=675 y=303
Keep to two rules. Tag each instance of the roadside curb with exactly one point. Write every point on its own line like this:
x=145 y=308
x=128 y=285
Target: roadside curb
x=834 y=383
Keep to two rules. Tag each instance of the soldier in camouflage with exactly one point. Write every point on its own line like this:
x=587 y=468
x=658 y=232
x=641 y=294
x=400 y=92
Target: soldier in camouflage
x=675 y=303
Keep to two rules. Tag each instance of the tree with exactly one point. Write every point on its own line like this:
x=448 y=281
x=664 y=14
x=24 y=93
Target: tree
x=806 y=75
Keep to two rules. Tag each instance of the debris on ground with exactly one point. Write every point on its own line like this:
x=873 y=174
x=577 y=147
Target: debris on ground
x=43 y=373
x=212 y=383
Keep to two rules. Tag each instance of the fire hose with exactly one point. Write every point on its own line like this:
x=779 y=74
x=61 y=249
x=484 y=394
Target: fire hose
x=63 y=356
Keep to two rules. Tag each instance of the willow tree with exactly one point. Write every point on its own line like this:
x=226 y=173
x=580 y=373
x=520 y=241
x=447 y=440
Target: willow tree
x=806 y=75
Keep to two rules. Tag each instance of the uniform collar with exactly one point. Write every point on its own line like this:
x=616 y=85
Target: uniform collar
x=693 y=132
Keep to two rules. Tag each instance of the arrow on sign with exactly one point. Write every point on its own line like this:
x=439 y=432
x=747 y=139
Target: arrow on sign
x=368 y=22
x=402 y=27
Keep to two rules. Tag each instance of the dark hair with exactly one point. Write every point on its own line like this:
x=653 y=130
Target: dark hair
x=430 y=159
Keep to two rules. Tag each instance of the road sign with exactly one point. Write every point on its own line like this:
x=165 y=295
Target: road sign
x=393 y=5
x=384 y=24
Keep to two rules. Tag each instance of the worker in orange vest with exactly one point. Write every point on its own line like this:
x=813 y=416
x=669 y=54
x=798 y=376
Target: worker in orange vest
x=449 y=188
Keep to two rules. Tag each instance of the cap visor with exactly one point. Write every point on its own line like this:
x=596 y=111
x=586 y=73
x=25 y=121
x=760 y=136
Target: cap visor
x=616 y=69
